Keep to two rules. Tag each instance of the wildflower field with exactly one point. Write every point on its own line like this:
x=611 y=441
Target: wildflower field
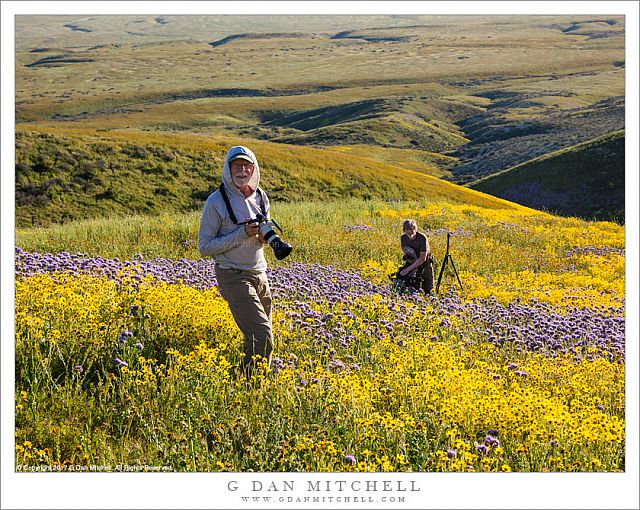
x=127 y=358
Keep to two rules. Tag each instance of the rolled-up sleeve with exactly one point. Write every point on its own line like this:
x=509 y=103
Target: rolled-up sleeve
x=424 y=244
x=210 y=242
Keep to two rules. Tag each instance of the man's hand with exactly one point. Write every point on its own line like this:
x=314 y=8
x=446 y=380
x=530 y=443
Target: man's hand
x=404 y=272
x=251 y=229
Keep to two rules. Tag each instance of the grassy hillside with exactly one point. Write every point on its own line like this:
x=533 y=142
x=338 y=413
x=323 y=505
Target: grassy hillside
x=426 y=123
x=63 y=175
x=430 y=163
x=584 y=180
x=501 y=138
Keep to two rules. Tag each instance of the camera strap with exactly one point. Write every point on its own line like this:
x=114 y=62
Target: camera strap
x=232 y=215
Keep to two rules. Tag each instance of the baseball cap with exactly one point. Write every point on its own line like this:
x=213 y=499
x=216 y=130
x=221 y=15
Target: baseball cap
x=240 y=152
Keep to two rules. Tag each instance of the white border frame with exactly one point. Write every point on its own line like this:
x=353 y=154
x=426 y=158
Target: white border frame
x=519 y=490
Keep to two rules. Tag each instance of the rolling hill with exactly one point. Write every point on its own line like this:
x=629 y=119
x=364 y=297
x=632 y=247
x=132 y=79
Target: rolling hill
x=585 y=180
x=498 y=142
x=425 y=123
x=64 y=175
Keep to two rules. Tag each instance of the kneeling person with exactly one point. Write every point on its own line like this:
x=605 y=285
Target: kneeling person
x=417 y=256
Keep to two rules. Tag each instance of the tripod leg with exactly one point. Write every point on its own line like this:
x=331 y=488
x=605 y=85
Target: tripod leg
x=444 y=264
x=456 y=271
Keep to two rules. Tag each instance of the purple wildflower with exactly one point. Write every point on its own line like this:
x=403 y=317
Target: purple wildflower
x=350 y=459
x=336 y=364
x=452 y=454
x=276 y=365
x=482 y=449
x=124 y=335
x=492 y=442
x=356 y=228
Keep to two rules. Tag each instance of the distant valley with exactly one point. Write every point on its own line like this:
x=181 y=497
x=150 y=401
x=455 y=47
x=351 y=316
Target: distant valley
x=457 y=98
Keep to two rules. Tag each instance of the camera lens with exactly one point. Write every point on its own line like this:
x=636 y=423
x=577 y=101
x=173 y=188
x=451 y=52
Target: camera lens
x=281 y=248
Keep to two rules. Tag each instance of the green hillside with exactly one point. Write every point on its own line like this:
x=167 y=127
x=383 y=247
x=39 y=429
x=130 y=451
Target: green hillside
x=423 y=122
x=397 y=130
x=585 y=180
x=63 y=175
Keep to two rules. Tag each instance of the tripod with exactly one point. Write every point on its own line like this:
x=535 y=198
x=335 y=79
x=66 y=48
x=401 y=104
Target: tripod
x=446 y=260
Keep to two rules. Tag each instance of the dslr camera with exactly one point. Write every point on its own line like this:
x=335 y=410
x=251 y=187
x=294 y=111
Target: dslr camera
x=281 y=248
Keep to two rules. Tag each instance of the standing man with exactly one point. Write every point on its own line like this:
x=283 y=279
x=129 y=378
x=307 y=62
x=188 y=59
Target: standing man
x=238 y=252
x=417 y=255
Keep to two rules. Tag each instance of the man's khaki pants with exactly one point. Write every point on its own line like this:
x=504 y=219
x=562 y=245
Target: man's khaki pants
x=249 y=298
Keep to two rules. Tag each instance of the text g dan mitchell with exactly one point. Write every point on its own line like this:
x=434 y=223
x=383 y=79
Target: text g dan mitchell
x=325 y=486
